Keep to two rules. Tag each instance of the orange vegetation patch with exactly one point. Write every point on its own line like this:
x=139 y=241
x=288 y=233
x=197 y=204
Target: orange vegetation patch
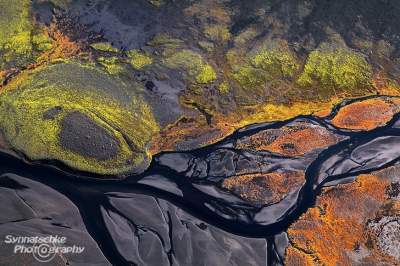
x=290 y=141
x=188 y=129
x=264 y=189
x=323 y=113
x=63 y=47
x=195 y=126
x=366 y=115
x=335 y=232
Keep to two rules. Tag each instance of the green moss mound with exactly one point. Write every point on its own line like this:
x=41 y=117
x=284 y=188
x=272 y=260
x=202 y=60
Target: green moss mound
x=263 y=69
x=336 y=71
x=104 y=46
x=193 y=65
x=276 y=63
x=272 y=61
x=138 y=60
x=75 y=88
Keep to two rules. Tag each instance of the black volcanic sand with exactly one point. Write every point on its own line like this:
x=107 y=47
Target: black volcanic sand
x=131 y=228
x=176 y=212
x=81 y=135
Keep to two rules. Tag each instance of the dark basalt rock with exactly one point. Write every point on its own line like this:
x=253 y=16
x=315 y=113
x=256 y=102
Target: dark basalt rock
x=52 y=113
x=82 y=135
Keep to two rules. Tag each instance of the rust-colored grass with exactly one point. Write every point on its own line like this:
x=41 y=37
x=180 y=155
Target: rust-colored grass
x=365 y=115
x=264 y=188
x=291 y=142
x=330 y=231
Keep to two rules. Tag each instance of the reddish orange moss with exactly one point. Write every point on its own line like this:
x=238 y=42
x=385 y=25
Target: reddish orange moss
x=334 y=232
x=62 y=45
x=186 y=129
x=366 y=115
x=291 y=141
x=384 y=85
x=264 y=189
x=323 y=113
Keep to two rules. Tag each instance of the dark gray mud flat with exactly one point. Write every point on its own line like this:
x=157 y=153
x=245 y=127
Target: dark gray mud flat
x=177 y=212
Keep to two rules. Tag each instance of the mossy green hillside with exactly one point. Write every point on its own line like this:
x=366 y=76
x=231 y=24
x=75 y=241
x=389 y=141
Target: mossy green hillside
x=336 y=70
x=330 y=70
x=72 y=87
x=196 y=68
x=265 y=65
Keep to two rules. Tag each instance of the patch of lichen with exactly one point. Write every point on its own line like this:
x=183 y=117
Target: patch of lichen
x=20 y=40
x=111 y=64
x=333 y=71
x=42 y=42
x=105 y=47
x=196 y=68
x=128 y=120
x=138 y=60
x=224 y=87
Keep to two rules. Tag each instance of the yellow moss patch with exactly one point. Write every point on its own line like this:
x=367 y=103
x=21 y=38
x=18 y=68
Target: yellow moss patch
x=104 y=46
x=42 y=41
x=193 y=64
x=139 y=60
x=224 y=87
x=276 y=63
x=111 y=64
x=278 y=112
x=336 y=71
